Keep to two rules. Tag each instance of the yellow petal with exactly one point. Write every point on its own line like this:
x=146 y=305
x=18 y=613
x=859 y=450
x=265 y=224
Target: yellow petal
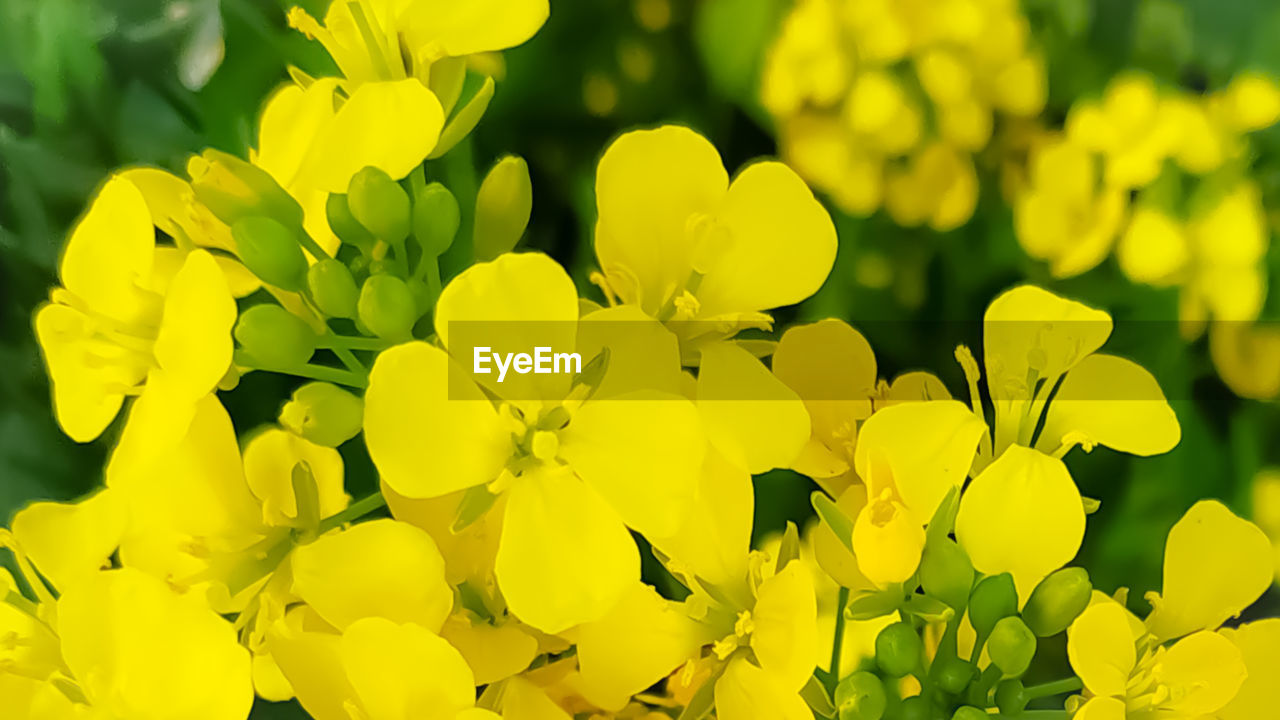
x=920 y=449
x=643 y=354
x=522 y=700
x=474 y=27
x=493 y=652
x=429 y=429
x=1259 y=644
x=269 y=459
x=311 y=660
x=109 y=253
x=390 y=125
x=832 y=368
x=513 y=304
x=85 y=397
x=756 y=271
x=785 y=639
x=642 y=453
x=745 y=692
x=143 y=651
x=381 y=568
x=1215 y=565
x=69 y=542
x=1101 y=708
x=1022 y=515
x=1203 y=672
x=713 y=541
x=643 y=639
x=1027 y=328
x=750 y=416
x=194 y=343
x=405 y=672
x=565 y=556
x=832 y=553
x=649 y=185
x=887 y=540
x=1101 y=649
x=1113 y=402
x=291 y=119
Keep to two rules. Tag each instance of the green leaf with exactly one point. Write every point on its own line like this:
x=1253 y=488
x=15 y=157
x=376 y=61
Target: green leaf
x=475 y=503
x=816 y=697
x=834 y=517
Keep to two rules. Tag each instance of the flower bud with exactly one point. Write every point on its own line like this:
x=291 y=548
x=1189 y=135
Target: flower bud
x=275 y=337
x=946 y=573
x=993 y=598
x=333 y=288
x=344 y=224
x=233 y=189
x=435 y=219
x=969 y=712
x=503 y=205
x=1011 y=697
x=387 y=308
x=323 y=413
x=270 y=251
x=1011 y=646
x=919 y=707
x=379 y=204
x=898 y=649
x=1057 y=601
x=860 y=696
x=953 y=673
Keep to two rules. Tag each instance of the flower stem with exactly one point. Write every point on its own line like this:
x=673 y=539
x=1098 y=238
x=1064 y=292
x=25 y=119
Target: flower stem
x=1057 y=687
x=354 y=511
x=837 y=642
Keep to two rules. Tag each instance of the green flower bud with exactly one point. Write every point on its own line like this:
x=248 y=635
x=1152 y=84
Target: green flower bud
x=275 y=337
x=387 y=308
x=1010 y=697
x=333 y=288
x=898 y=649
x=860 y=696
x=1057 y=601
x=1011 y=646
x=953 y=674
x=503 y=205
x=344 y=224
x=435 y=219
x=234 y=189
x=918 y=707
x=946 y=573
x=993 y=598
x=379 y=204
x=323 y=413
x=969 y=712
x=270 y=251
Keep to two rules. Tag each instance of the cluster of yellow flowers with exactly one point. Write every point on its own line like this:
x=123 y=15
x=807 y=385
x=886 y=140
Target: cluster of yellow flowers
x=507 y=580
x=884 y=103
x=1161 y=176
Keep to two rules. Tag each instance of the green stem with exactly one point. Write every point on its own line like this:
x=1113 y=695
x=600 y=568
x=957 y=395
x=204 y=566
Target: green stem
x=837 y=643
x=1037 y=715
x=321 y=372
x=350 y=360
x=332 y=341
x=354 y=511
x=312 y=246
x=1057 y=687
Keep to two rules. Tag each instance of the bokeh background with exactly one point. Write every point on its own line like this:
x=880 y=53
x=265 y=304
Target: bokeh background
x=90 y=85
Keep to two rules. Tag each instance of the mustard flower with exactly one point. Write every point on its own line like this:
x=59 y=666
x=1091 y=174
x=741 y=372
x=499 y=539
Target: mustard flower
x=576 y=470
x=132 y=321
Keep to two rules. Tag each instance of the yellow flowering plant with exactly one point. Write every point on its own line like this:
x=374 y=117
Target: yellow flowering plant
x=569 y=465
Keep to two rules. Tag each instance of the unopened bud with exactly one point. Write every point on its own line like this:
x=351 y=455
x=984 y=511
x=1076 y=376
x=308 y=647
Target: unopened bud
x=270 y=251
x=323 y=413
x=946 y=573
x=969 y=712
x=387 y=307
x=898 y=649
x=1057 y=601
x=435 y=219
x=379 y=204
x=503 y=205
x=275 y=337
x=1011 y=697
x=993 y=598
x=1011 y=646
x=333 y=288
x=860 y=696
x=953 y=674
x=344 y=224
x=233 y=189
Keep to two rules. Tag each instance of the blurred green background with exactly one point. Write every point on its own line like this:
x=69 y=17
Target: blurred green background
x=90 y=85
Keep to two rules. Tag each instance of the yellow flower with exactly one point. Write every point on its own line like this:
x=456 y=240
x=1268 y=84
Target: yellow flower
x=391 y=40
x=937 y=186
x=129 y=322
x=1215 y=565
x=1127 y=128
x=1228 y=240
x=1066 y=215
x=575 y=473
